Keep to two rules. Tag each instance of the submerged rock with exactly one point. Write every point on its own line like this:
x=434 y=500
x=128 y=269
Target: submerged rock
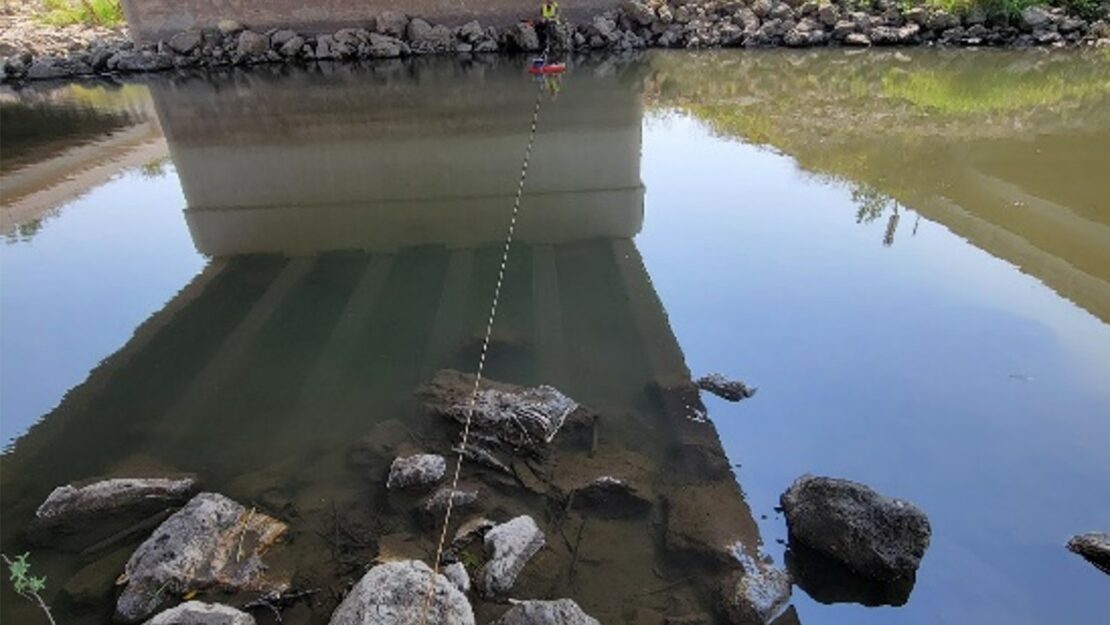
x=719 y=385
x=482 y=456
x=758 y=593
x=610 y=497
x=474 y=529
x=830 y=581
x=416 y=470
x=456 y=573
x=514 y=415
x=509 y=546
x=559 y=612
x=69 y=503
x=211 y=542
x=1094 y=547
x=199 y=613
x=395 y=594
x=436 y=503
x=875 y=536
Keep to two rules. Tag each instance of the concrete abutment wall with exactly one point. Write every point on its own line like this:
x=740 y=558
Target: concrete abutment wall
x=153 y=19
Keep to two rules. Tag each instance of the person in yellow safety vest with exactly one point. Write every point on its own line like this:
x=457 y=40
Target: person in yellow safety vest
x=549 y=14
x=550 y=11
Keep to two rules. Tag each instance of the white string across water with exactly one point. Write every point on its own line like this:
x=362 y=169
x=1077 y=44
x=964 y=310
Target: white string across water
x=482 y=357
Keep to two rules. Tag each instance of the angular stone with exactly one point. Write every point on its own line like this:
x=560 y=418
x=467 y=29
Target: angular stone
x=68 y=503
x=292 y=47
x=228 y=27
x=719 y=385
x=385 y=47
x=184 y=42
x=638 y=12
x=456 y=573
x=518 y=416
x=211 y=542
x=417 y=470
x=828 y=14
x=471 y=32
x=610 y=497
x=875 y=536
x=559 y=612
x=474 y=529
x=1094 y=547
x=392 y=23
x=509 y=546
x=436 y=503
x=198 y=613
x=1036 y=18
x=395 y=594
x=251 y=43
x=523 y=37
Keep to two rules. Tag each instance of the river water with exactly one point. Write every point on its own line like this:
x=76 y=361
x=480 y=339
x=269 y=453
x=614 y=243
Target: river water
x=245 y=277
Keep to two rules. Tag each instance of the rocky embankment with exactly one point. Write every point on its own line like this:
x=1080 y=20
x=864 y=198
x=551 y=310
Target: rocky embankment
x=722 y=23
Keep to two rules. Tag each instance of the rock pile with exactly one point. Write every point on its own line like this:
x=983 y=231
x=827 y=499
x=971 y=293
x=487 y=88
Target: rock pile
x=637 y=24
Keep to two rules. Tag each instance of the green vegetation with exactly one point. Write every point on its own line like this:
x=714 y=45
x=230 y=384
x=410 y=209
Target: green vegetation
x=1011 y=8
x=89 y=12
x=27 y=585
x=950 y=93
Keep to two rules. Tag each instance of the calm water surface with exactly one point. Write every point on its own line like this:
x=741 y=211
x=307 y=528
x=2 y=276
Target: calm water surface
x=245 y=276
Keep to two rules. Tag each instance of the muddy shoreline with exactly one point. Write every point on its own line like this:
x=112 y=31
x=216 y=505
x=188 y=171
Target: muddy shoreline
x=636 y=25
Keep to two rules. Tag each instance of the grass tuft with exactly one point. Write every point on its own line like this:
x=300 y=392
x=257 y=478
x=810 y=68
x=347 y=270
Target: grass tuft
x=87 y=12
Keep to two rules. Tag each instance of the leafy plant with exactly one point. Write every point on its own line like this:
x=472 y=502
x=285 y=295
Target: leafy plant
x=27 y=585
x=91 y=12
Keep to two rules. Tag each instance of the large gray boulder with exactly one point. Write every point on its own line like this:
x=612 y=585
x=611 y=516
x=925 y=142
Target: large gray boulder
x=1094 y=547
x=211 y=542
x=69 y=503
x=638 y=12
x=395 y=594
x=416 y=470
x=392 y=23
x=560 y=612
x=184 y=42
x=199 y=613
x=1036 y=18
x=875 y=536
x=523 y=37
x=517 y=416
x=251 y=43
x=509 y=547
x=385 y=46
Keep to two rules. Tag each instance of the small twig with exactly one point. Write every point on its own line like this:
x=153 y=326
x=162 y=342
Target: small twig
x=574 y=553
x=33 y=596
x=594 y=437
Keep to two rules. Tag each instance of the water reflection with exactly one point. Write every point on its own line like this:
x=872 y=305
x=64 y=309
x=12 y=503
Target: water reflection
x=351 y=222
x=354 y=220
x=62 y=142
x=1006 y=150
